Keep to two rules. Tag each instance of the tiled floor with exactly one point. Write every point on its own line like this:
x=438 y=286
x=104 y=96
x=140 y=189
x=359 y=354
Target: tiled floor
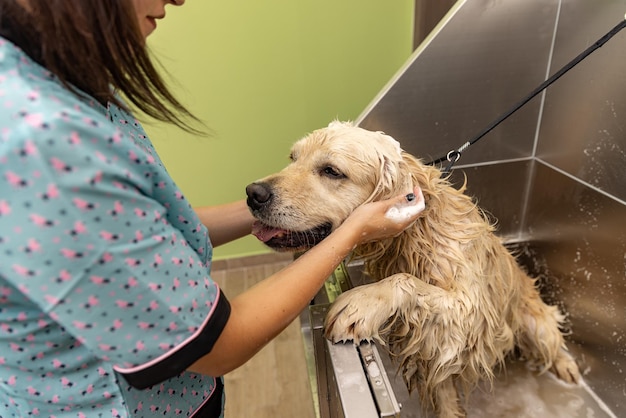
x=274 y=383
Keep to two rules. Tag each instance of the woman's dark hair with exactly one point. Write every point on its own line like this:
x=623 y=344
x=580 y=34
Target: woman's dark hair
x=96 y=46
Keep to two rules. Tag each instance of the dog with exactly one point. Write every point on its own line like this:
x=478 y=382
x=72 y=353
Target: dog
x=448 y=299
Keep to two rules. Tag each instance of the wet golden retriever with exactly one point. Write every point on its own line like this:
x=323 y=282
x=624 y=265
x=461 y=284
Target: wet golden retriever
x=448 y=300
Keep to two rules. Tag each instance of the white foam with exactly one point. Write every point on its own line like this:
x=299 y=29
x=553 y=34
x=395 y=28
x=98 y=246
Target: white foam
x=400 y=213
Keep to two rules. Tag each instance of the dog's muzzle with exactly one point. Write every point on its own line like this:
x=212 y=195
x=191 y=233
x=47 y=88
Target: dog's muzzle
x=260 y=199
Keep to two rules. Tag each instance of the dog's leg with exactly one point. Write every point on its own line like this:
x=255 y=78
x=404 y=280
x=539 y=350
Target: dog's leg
x=371 y=311
x=542 y=342
x=447 y=402
x=358 y=314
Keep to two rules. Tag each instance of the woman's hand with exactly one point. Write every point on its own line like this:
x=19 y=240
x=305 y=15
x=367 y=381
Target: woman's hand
x=386 y=218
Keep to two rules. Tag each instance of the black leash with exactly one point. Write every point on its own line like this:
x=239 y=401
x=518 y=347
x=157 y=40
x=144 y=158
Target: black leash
x=453 y=156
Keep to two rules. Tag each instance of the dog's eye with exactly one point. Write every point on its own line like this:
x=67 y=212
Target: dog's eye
x=332 y=173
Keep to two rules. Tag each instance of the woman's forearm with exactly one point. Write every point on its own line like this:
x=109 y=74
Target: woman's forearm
x=226 y=222
x=263 y=311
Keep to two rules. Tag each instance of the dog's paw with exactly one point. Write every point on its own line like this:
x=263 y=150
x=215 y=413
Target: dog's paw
x=565 y=368
x=356 y=316
x=345 y=322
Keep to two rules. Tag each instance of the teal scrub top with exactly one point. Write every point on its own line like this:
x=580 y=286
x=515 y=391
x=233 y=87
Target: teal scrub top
x=105 y=289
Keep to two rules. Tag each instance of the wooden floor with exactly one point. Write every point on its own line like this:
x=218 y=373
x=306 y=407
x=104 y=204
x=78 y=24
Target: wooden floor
x=274 y=383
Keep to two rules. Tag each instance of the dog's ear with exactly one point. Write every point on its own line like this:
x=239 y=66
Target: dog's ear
x=389 y=174
x=394 y=175
x=393 y=178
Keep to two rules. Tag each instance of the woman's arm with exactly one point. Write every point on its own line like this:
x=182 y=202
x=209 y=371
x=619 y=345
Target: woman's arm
x=263 y=311
x=226 y=222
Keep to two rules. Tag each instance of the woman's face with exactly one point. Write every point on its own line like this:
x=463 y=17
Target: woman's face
x=148 y=11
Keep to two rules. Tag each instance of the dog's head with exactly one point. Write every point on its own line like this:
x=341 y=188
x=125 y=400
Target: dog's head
x=332 y=171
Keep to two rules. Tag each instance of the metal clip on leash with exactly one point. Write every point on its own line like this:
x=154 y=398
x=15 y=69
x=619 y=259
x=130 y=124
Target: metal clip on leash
x=454 y=155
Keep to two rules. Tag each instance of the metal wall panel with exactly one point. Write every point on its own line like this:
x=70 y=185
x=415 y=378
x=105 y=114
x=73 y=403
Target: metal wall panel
x=485 y=57
x=500 y=189
x=583 y=129
x=577 y=239
x=576 y=213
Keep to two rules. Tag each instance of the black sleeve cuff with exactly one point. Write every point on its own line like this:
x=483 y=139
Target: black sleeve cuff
x=185 y=356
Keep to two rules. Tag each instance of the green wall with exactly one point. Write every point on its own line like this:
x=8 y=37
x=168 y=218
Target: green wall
x=261 y=74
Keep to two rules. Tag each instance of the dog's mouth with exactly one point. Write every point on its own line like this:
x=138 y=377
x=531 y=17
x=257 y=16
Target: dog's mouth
x=284 y=240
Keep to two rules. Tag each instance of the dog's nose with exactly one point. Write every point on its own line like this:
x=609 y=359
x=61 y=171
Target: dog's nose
x=259 y=195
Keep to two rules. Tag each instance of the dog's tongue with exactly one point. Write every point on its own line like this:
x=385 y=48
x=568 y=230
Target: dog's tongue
x=263 y=232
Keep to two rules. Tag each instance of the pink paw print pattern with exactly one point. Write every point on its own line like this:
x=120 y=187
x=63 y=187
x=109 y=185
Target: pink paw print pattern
x=108 y=265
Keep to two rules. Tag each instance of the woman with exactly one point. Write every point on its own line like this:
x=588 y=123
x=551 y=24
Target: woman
x=107 y=305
